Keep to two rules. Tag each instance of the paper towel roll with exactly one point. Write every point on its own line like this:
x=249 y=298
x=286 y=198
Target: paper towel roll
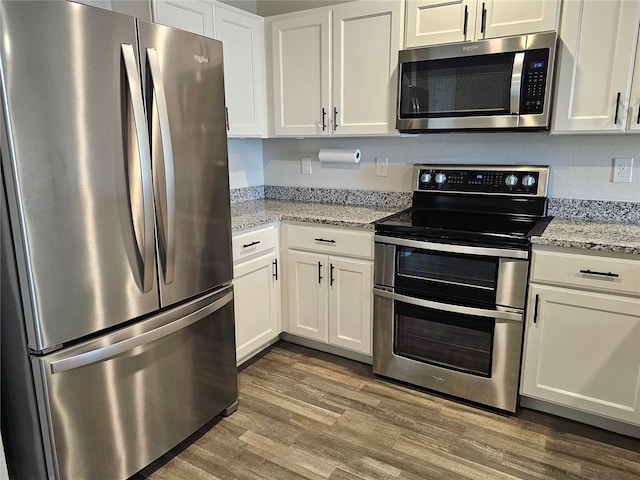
x=339 y=155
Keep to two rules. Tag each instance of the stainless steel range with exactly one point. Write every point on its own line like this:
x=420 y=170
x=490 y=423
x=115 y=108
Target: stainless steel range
x=451 y=280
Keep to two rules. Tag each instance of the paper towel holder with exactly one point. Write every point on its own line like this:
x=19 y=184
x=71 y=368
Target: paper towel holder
x=339 y=155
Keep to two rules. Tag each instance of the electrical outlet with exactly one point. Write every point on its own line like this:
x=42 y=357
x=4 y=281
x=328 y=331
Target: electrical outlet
x=381 y=166
x=622 y=170
x=305 y=165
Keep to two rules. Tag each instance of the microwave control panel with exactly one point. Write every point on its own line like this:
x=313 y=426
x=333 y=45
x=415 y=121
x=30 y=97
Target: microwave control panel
x=534 y=81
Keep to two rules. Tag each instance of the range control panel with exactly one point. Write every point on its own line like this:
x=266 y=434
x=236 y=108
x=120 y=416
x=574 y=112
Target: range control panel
x=494 y=179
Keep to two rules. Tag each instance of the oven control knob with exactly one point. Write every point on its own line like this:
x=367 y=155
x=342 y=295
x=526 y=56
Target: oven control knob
x=511 y=180
x=528 y=181
x=440 y=178
x=425 y=177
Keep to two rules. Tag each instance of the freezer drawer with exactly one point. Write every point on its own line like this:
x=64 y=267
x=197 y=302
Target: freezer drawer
x=116 y=403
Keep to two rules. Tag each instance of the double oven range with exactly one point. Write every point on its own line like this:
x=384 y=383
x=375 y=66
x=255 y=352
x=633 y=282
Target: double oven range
x=451 y=280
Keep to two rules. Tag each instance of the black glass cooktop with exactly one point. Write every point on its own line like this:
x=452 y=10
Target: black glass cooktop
x=463 y=227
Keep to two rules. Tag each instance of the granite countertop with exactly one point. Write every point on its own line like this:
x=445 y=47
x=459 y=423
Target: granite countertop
x=254 y=213
x=591 y=235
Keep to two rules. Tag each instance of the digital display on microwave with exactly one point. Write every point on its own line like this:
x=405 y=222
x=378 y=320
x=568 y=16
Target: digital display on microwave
x=536 y=65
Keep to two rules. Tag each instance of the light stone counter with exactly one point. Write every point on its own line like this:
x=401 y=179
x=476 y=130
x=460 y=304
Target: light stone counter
x=592 y=235
x=260 y=212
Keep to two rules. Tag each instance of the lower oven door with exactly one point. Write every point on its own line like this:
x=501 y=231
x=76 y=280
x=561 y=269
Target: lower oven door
x=466 y=352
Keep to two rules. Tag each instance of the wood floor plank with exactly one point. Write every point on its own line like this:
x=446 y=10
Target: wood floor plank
x=310 y=415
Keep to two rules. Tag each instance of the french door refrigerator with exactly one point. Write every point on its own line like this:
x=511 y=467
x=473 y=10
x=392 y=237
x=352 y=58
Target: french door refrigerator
x=117 y=312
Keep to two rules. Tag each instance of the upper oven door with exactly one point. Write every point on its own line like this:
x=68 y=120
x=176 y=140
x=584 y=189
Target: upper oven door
x=489 y=84
x=458 y=274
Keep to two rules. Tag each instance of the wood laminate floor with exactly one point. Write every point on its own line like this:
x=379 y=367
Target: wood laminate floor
x=308 y=414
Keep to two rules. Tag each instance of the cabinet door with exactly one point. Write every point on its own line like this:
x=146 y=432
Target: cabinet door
x=190 y=15
x=350 y=298
x=301 y=76
x=583 y=351
x=633 y=121
x=307 y=295
x=366 y=40
x=431 y=22
x=506 y=17
x=257 y=304
x=242 y=36
x=597 y=49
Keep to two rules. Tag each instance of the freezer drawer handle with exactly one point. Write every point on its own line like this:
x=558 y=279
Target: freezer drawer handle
x=167 y=195
x=106 y=353
x=147 y=246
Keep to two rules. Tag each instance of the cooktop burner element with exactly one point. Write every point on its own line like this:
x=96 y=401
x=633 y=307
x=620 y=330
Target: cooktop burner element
x=474 y=204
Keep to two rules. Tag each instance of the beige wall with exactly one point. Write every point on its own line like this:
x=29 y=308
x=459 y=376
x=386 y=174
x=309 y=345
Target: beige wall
x=267 y=8
x=246 y=5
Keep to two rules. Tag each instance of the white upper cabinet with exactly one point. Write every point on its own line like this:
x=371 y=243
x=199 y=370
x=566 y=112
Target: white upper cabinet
x=633 y=117
x=366 y=39
x=190 y=15
x=242 y=36
x=598 y=45
x=301 y=75
x=334 y=71
x=432 y=22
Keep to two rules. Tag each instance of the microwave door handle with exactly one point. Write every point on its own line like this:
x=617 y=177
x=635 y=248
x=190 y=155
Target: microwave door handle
x=516 y=82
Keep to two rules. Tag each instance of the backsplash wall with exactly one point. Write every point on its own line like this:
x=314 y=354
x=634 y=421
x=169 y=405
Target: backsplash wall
x=581 y=165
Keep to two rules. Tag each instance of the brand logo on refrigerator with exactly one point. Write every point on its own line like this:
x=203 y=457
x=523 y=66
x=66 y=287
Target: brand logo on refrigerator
x=201 y=59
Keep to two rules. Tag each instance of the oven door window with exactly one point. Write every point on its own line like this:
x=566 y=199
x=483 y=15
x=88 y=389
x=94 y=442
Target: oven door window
x=445 y=339
x=467 y=279
x=457 y=87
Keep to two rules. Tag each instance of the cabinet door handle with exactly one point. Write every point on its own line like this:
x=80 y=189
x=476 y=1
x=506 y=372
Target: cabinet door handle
x=331 y=279
x=247 y=245
x=324 y=123
x=615 y=120
x=335 y=118
x=466 y=19
x=319 y=272
x=535 y=309
x=324 y=240
x=275 y=269
x=602 y=274
x=638 y=119
x=484 y=19
x=226 y=116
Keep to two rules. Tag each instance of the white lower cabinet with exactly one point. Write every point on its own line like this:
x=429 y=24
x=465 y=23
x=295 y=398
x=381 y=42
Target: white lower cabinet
x=582 y=338
x=329 y=286
x=256 y=291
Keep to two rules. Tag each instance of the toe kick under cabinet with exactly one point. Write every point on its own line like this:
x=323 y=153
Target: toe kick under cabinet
x=256 y=281
x=328 y=284
x=582 y=338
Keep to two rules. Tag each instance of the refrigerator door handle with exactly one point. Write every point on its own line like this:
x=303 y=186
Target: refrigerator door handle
x=167 y=195
x=105 y=353
x=144 y=158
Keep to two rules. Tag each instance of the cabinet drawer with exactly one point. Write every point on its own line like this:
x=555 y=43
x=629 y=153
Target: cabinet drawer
x=252 y=243
x=609 y=274
x=331 y=240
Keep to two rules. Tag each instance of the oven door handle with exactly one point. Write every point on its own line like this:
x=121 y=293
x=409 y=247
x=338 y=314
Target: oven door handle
x=445 y=247
x=478 y=312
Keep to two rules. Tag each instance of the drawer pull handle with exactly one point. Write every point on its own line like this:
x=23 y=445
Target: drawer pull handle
x=250 y=244
x=324 y=240
x=602 y=274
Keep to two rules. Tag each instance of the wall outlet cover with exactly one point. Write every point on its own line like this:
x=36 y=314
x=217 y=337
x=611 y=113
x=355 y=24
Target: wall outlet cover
x=381 y=166
x=305 y=165
x=622 y=170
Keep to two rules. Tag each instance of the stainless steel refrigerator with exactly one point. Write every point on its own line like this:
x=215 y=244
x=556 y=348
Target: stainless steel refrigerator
x=117 y=313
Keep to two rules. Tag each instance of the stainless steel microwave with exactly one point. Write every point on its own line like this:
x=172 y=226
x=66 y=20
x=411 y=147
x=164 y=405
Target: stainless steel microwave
x=503 y=83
